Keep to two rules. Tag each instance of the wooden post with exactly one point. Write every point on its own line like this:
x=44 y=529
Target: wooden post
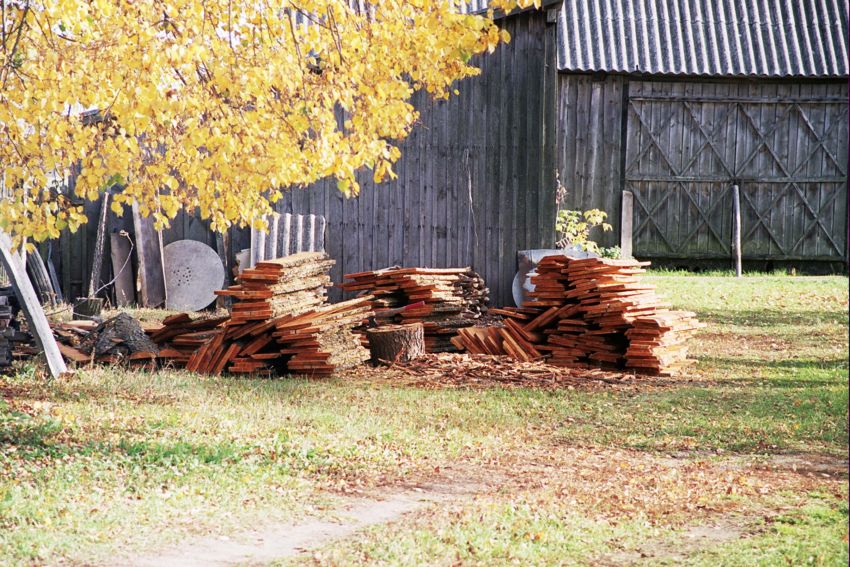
x=222 y=246
x=120 y=250
x=258 y=246
x=626 y=224
x=287 y=235
x=100 y=242
x=36 y=319
x=149 y=255
x=736 y=229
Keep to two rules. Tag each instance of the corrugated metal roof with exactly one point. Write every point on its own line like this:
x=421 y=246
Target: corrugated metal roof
x=760 y=38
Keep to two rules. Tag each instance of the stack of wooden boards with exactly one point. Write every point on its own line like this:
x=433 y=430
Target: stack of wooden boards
x=592 y=310
x=280 y=322
x=443 y=300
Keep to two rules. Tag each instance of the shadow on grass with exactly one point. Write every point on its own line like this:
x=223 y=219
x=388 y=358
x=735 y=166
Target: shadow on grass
x=805 y=365
x=39 y=438
x=36 y=437
x=771 y=317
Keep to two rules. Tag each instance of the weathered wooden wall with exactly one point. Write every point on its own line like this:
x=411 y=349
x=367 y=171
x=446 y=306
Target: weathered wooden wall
x=590 y=134
x=475 y=180
x=680 y=145
x=72 y=254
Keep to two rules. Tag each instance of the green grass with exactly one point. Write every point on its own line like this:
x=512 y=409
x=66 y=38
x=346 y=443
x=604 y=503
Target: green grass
x=814 y=534
x=107 y=459
x=492 y=531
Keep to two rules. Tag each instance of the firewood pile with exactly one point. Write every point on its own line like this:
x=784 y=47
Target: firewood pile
x=280 y=322
x=13 y=342
x=443 y=300
x=119 y=340
x=591 y=311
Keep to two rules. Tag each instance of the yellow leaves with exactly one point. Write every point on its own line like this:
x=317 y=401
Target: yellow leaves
x=203 y=107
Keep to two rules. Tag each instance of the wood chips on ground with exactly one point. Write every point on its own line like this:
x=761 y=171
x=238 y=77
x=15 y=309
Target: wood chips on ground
x=453 y=370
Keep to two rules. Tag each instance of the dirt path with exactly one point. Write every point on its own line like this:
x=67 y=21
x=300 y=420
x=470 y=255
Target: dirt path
x=594 y=479
x=280 y=541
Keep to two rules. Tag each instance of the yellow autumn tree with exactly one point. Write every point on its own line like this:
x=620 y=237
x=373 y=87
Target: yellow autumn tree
x=215 y=105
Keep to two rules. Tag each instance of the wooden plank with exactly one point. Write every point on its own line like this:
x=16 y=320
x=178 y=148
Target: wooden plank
x=65 y=244
x=736 y=229
x=272 y=240
x=286 y=235
x=299 y=234
x=626 y=227
x=122 y=269
x=149 y=254
x=196 y=228
x=100 y=242
x=36 y=319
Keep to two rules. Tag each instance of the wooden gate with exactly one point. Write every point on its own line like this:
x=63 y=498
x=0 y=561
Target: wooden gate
x=784 y=144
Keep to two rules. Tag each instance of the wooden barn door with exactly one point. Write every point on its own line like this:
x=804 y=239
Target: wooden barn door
x=785 y=146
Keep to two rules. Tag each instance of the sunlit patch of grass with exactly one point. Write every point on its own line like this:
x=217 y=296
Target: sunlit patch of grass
x=542 y=526
x=488 y=531
x=815 y=534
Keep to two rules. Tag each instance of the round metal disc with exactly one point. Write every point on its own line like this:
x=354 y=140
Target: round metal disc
x=193 y=271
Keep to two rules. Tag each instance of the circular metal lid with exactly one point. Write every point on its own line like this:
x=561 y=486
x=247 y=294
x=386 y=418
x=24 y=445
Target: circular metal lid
x=193 y=271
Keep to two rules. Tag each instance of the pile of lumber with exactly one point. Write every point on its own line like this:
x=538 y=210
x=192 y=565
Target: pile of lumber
x=510 y=340
x=280 y=322
x=658 y=342
x=284 y=286
x=323 y=340
x=180 y=336
x=597 y=311
x=443 y=300
x=12 y=340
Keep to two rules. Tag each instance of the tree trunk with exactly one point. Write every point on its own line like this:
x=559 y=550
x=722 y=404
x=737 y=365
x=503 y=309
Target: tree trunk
x=396 y=343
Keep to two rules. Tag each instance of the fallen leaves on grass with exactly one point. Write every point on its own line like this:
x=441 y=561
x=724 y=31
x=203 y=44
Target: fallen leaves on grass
x=619 y=484
x=452 y=370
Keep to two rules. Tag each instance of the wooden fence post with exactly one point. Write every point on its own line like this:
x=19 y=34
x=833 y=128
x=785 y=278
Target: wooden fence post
x=626 y=224
x=736 y=229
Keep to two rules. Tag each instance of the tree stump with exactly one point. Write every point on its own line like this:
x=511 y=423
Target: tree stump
x=396 y=343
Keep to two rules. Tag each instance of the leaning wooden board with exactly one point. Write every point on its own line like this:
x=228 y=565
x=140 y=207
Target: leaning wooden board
x=149 y=253
x=34 y=313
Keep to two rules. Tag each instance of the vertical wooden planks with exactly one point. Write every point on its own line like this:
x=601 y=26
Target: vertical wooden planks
x=149 y=255
x=546 y=210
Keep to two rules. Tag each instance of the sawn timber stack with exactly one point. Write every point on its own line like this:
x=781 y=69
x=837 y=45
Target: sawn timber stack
x=442 y=299
x=594 y=311
x=280 y=322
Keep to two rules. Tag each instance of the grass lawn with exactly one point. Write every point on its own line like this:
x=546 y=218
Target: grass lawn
x=740 y=462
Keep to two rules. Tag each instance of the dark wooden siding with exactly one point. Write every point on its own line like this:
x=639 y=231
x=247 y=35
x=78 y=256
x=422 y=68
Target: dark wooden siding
x=590 y=134
x=473 y=182
x=784 y=144
x=679 y=145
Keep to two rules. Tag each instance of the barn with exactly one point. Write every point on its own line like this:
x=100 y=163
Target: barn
x=676 y=101
x=669 y=102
